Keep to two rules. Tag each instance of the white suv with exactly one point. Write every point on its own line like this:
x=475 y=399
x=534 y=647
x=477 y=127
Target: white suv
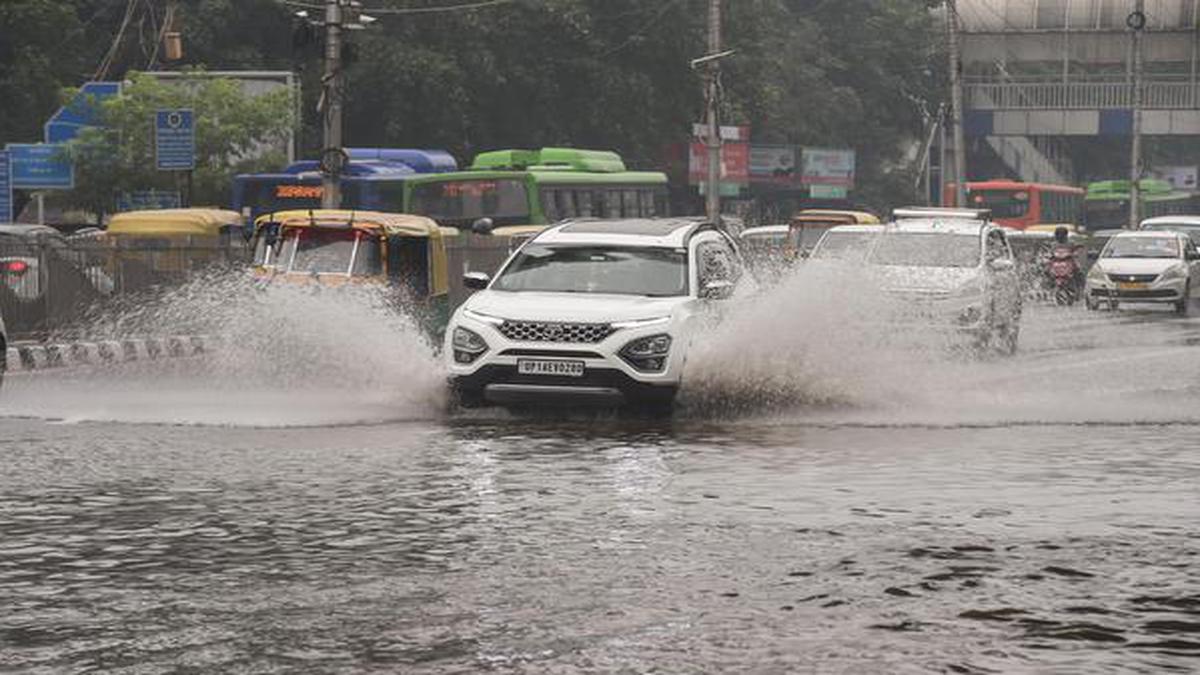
x=957 y=272
x=592 y=312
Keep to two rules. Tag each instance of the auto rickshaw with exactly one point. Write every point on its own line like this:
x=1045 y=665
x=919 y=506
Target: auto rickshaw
x=807 y=226
x=403 y=253
x=160 y=245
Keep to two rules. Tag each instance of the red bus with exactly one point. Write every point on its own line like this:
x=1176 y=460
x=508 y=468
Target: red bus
x=1020 y=205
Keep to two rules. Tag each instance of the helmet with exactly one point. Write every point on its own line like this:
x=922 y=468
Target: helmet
x=1061 y=234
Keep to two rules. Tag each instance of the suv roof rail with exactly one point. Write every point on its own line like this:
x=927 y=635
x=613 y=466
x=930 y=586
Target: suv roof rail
x=909 y=212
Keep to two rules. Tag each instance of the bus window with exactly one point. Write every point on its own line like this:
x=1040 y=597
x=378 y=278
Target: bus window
x=566 y=203
x=502 y=200
x=612 y=203
x=631 y=205
x=584 y=203
x=550 y=205
x=647 y=199
x=661 y=202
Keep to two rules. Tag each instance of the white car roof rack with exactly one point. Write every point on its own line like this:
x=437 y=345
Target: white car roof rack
x=909 y=212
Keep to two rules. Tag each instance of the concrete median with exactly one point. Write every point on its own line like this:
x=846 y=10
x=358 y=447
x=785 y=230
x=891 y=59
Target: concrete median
x=44 y=356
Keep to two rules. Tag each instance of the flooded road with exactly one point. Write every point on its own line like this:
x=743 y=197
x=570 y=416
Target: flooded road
x=1037 y=514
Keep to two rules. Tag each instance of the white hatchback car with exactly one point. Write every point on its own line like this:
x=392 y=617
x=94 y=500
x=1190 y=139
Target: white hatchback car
x=592 y=312
x=1145 y=266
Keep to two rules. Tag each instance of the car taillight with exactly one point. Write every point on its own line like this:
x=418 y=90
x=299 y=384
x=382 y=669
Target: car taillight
x=16 y=266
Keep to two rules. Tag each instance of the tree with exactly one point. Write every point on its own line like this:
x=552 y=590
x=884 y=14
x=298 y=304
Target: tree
x=235 y=132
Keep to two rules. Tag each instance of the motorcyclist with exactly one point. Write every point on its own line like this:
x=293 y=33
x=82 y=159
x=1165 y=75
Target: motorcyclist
x=1063 y=248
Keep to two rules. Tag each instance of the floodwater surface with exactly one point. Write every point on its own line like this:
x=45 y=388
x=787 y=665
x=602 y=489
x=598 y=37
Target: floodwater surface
x=860 y=509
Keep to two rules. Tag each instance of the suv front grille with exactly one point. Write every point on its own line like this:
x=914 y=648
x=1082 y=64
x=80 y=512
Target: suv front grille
x=545 y=331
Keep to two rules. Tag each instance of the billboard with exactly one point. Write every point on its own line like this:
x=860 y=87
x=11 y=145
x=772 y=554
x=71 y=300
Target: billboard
x=822 y=166
x=774 y=164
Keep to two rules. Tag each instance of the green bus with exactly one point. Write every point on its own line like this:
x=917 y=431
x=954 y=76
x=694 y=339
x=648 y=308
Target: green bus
x=534 y=187
x=1106 y=205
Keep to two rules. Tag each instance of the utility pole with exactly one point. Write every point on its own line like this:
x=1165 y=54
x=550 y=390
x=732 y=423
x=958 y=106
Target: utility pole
x=712 y=195
x=331 y=100
x=956 y=104
x=1136 y=22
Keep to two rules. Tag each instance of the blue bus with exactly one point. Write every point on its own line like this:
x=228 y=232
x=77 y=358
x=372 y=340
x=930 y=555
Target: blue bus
x=364 y=184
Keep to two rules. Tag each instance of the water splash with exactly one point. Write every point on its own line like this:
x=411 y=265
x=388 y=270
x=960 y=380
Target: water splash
x=826 y=346
x=287 y=355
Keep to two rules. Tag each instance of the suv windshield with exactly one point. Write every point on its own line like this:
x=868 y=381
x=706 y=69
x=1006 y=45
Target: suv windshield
x=1142 y=247
x=844 y=246
x=658 y=272
x=926 y=249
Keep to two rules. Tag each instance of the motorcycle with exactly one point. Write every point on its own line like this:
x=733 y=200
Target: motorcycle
x=1063 y=270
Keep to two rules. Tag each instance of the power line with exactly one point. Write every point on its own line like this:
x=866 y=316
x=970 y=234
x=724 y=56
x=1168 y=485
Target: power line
x=394 y=11
x=434 y=10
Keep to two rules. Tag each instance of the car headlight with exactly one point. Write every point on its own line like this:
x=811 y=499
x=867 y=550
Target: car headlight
x=648 y=354
x=970 y=315
x=1174 y=273
x=468 y=345
x=1097 y=274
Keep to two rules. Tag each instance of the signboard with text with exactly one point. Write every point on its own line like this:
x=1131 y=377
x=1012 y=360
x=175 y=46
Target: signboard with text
x=40 y=166
x=821 y=166
x=735 y=164
x=175 y=140
x=775 y=164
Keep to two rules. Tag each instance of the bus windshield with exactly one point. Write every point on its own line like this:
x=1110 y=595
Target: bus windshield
x=504 y=200
x=1003 y=203
x=1106 y=214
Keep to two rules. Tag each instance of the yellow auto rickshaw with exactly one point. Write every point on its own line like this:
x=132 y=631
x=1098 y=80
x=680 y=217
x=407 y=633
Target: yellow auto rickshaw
x=330 y=247
x=807 y=226
x=159 y=245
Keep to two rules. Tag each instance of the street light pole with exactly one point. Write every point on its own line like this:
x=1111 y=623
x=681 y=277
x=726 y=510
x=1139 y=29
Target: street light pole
x=331 y=98
x=712 y=195
x=956 y=105
x=1136 y=22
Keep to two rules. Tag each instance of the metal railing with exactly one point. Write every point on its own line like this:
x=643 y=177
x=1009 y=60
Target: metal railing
x=1159 y=94
x=51 y=288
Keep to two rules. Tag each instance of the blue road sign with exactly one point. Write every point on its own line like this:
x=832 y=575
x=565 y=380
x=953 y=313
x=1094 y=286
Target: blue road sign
x=6 y=197
x=40 y=166
x=83 y=111
x=175 y=140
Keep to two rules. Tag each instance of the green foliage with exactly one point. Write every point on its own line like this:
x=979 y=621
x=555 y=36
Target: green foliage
x=232 y=131
x=589 y=73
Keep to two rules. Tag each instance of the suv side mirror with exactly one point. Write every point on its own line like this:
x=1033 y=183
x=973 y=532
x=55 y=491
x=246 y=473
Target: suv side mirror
x=1093 y=255
x=1001 y=265
x=483 y=226
x=476 y=281
x=716 y=289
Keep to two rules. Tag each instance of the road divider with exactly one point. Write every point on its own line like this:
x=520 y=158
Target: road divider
x=41 y=356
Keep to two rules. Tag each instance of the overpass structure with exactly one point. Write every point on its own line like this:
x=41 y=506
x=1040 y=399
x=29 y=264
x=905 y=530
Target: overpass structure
x=1038 y=72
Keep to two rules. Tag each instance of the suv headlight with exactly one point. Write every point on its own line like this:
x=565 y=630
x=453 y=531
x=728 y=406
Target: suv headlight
x=648 y=354
x=1173 y=273
x=1097 y=274
x=468 y=345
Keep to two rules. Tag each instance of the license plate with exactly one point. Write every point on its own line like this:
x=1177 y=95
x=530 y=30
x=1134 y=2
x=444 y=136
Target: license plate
x=548 y=367
x=1131 y=286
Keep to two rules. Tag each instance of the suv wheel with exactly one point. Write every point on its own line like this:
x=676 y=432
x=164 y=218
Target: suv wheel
x=1181 y=307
